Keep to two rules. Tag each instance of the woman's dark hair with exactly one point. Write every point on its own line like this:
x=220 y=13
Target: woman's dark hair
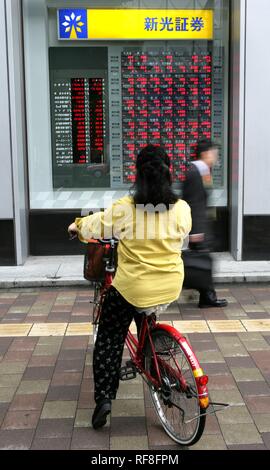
x=205 y=146
x=153 y=180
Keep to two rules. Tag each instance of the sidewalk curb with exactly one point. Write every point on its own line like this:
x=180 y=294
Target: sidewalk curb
x=219 y=278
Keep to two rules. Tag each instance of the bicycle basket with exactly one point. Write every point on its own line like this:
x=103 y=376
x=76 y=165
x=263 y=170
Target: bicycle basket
x=95 y=259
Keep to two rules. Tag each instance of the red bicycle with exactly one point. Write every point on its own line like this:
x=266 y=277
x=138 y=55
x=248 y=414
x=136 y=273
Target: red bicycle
x=166 y=361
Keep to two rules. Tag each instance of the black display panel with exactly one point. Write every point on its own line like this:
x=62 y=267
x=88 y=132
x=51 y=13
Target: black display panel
x=79 y=87
x=166 y=100
x=78 y=107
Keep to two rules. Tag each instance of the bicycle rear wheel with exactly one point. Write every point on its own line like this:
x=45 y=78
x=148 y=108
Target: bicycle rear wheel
x=178 y=410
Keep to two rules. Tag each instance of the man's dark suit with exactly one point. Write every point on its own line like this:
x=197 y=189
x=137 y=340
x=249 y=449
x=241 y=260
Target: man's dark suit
x=195 y=195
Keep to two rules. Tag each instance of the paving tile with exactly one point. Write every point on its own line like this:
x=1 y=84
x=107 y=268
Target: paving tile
x=27 y=402
x=82 y=329
x=231 y=346
x=257 y=325
x=67 y=354
x=51 y=444
x=214 y=443
x=54 y=329
x=233 y=415
x=9 y=295
x=38 y=373
x=54 y=428
x=75 y=342
x=128 y=408
x=129 y=443
x=262 y=421
x=52 y=341
x=262 y=360
x=10 y=380
x=6 y=394
x=191 y=326
x=258 y=316
x=242 y=374
x=46 y=350
x=250 y=447
x=236 y=314
x=204 y=346
x=166 y=448
x=202 y=337
x=83 y=419
x=212 y=425
x=66 y=378
x=222 y=382
x=157 y=435
x=42 y=361
x=266 y=439
x=88 y=439
x=130 y=390
x=13 y=330
x=255 y=342
x=242 y=361
x=225 y=326
x=59 y=409
x=29 y=387
x=253 y=308
x=86 y=400
x=258 y=404
x=21 y=420
x=241 y=434
x=124 y=426
x=63 y=392
x=5 y=344
x=17 y=439
x=72 y=365
x=210 y=357
x=230 y=397
x=254 y=388
x=216 y=369
x=19 y=309
x=18 y=356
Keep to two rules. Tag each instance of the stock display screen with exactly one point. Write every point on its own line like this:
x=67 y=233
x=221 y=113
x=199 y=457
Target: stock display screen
x=135 y=96
x=79 y=121
x=166 y=100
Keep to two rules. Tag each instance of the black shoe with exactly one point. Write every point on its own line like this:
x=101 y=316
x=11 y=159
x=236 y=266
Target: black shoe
x=102 y=410
x=219 y=303
x=209 y=300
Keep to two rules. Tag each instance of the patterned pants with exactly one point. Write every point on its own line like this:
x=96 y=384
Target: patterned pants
x=116 y=317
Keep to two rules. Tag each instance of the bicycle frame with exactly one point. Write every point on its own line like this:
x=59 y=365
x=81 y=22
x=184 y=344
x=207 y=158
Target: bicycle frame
x=136 y=348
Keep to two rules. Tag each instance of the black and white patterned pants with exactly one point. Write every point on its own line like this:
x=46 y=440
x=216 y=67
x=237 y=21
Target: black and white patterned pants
x=116 y=317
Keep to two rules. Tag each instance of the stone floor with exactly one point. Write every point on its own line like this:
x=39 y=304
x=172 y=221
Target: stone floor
x=46 y=381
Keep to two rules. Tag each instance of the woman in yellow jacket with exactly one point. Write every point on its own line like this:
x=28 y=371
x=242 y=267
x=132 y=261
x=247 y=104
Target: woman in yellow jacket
x=151 y=226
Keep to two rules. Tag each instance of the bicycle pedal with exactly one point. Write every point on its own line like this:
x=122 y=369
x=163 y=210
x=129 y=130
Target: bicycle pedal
x=128 y=372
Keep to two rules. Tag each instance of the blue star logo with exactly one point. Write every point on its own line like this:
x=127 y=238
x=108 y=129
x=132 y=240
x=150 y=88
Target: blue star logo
x=72 y=24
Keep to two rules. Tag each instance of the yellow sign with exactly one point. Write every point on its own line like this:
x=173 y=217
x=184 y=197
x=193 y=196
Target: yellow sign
x=75 y=24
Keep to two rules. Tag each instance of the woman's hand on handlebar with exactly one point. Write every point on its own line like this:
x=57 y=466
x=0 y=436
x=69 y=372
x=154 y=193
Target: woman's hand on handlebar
x=73 y=231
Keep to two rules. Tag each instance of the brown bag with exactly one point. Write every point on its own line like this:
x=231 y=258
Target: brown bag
x=95 y=261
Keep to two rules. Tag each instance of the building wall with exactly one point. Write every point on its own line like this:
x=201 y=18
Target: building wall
x=237 y=124
x=13 y=188
x=7 y=245
x=6 y=195
x=256 y=240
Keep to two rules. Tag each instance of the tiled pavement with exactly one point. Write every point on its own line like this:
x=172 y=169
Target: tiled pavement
x=46 y=384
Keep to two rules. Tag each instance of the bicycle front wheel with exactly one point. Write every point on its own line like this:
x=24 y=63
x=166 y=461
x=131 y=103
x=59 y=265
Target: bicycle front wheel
x=177 y=407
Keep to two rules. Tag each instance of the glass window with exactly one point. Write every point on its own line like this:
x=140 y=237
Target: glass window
x=100 y=102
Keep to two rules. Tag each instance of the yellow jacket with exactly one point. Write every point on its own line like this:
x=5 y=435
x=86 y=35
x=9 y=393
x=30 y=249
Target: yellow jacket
x=150 y=269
